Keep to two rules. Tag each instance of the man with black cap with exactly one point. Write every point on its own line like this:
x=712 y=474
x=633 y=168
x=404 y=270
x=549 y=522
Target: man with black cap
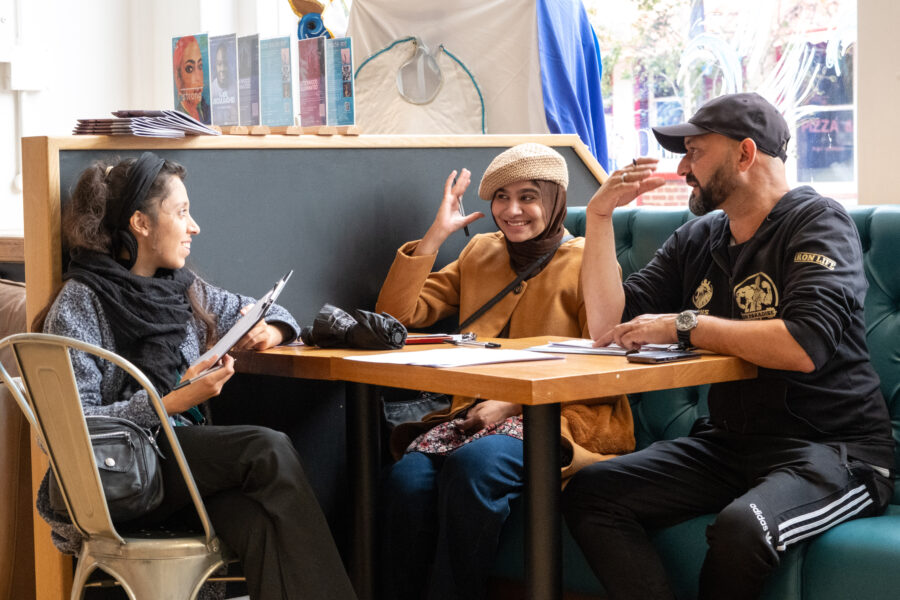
x=775 y=278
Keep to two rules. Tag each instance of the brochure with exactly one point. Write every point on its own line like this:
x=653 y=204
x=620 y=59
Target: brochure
x=326 y=82
x=276 y=92
x=339 y=82
x=190 y=75
x=224 y=75
x=248 y=80
x=311 y=56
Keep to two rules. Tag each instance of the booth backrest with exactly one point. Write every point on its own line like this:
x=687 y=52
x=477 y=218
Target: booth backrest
x=668 y=414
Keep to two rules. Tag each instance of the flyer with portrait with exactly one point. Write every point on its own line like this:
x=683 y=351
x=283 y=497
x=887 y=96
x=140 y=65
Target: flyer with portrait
x=248 y=80
x=224 y=79
x=190 y=75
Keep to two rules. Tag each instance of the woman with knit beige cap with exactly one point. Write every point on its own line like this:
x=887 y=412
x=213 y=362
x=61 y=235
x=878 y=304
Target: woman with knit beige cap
x=445 y=500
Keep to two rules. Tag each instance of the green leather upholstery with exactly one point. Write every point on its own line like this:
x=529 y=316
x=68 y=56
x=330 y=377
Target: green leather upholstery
x=859 y=559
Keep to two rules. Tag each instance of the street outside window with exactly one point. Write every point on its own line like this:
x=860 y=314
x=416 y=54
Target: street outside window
x=662 y=59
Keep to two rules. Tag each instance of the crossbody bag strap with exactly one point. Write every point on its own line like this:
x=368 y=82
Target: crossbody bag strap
x=490 y=303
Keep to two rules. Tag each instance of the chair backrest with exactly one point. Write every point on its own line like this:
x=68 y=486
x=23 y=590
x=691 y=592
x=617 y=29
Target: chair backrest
x=52 y=404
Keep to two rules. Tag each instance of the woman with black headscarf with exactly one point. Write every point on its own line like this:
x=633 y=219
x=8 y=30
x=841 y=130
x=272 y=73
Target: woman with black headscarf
x=447 y=497
x=129 y=230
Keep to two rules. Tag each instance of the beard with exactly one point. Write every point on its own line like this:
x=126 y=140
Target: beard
x=707 y=198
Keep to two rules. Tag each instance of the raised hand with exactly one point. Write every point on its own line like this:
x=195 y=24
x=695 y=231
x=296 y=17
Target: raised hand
x=448 y=218
x=624 y=185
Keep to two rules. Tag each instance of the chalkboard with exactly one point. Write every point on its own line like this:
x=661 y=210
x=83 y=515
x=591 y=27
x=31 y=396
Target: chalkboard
x=336 y=216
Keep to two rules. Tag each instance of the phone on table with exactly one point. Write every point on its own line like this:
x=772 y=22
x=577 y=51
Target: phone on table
x=660 y=356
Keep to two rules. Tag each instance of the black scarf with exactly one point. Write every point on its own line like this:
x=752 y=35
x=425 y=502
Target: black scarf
x=148 y=315
x=523 y=254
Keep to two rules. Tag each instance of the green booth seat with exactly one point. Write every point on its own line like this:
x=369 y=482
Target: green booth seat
x=858 y=559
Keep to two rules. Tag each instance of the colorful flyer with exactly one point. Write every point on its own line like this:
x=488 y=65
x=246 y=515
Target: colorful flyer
x=339 y=68
x=276 y=93
x=248 y=80
x=311 y=55
x=224 y=75
x=190 y=57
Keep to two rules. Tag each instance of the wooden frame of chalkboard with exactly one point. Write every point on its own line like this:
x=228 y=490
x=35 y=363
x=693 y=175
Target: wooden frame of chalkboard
x=333 y=208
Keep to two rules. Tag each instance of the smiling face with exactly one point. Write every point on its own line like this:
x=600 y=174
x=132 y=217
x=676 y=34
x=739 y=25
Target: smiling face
x=707 y=168
x=518 y=211
x=164 y=239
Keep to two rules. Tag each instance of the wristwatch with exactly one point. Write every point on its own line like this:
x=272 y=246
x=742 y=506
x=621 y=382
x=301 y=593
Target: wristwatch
x=684 y=323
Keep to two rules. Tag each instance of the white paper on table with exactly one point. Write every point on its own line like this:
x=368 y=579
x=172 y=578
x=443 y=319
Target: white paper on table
x=582 y=346
x=453 y=357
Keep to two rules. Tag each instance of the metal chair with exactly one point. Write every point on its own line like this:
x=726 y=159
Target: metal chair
x=159 y=565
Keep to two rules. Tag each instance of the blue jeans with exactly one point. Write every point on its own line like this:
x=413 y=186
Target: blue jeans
x=442 y=517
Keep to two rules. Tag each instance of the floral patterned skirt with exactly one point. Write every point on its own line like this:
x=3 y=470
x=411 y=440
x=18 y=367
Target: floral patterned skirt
x=447 y=437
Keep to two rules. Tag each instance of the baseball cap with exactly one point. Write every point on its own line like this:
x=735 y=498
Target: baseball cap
x=738 y=116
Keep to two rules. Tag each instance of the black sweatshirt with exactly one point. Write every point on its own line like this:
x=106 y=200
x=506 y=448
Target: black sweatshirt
x=804 y=266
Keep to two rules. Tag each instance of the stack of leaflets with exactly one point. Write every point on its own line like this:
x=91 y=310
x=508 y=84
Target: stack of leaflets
x=148 y=123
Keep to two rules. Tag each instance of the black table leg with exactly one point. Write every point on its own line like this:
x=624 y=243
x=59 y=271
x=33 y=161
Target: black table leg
x=543 y=537
x=363 y=451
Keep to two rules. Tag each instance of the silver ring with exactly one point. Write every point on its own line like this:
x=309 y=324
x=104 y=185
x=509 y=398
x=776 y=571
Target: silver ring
x=623 y=177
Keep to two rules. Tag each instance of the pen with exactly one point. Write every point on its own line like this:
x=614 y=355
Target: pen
x=462 y=212
x=200 y=376
x=473 y=343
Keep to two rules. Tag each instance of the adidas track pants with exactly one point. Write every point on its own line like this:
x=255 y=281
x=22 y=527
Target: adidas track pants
x=769 y=493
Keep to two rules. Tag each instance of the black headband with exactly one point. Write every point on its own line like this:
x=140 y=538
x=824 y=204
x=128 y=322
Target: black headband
x=140 y=179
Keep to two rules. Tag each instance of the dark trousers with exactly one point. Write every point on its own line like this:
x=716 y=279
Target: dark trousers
x=442 y=517
x=768 y=492
x=262 y=507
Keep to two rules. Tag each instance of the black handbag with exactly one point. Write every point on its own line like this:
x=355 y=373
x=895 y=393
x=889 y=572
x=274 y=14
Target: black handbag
x=411 y=410
x=127 y=458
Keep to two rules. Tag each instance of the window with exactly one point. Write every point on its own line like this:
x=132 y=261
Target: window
x=662 y=59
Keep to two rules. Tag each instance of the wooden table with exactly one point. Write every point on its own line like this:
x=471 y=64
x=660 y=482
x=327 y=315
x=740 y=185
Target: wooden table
x=539 y=386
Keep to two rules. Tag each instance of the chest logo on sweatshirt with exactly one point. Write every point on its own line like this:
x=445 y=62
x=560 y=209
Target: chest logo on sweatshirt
x=703 y=294
x=757 y=297
x=812 y=257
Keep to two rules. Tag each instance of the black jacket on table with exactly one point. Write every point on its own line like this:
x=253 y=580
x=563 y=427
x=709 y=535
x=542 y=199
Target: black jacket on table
x=803 y=265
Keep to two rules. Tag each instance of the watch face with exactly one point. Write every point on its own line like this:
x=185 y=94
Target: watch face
x=686 y=321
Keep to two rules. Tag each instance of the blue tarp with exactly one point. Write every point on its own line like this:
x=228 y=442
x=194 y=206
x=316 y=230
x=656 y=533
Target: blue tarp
x=570 y=73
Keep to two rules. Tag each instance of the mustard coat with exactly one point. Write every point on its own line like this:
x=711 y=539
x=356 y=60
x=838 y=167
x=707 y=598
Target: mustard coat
x=550 y=303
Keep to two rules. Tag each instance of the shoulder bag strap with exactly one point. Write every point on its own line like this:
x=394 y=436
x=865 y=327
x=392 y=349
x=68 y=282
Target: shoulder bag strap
x=490 y=303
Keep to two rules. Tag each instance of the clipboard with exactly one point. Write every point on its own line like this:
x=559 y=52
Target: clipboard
x=243 y=325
